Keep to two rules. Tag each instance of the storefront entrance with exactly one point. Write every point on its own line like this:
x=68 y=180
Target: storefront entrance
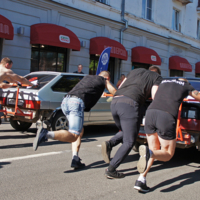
x=48 y=58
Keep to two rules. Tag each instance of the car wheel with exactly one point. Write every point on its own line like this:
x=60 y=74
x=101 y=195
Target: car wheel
x=20 y=125
x=60 y=122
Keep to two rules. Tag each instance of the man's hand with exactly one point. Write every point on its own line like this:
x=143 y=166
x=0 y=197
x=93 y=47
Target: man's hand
x=195 y=94
x=110 y=88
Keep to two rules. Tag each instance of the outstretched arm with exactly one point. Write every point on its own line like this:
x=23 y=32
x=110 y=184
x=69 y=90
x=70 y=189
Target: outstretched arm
x=195 y=94
x=5 y=85
x=110 y=88
x=10 y=76
x=122 y=83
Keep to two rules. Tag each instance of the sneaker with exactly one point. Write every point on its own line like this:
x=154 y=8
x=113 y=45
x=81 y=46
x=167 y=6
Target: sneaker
x=115 y=174
x=76 y=163
x=144 y=157
x=105 y=151
x=40 y=137
x=142 y=187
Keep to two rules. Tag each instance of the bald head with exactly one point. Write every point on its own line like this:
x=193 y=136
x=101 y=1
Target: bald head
x=105 y=74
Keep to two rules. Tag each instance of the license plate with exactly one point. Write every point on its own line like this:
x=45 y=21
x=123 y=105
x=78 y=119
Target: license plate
x=12 y=102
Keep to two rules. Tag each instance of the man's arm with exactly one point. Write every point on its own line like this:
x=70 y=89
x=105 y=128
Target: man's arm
x=10 y=76
x=122 y=83
x=153 y=91
x=195 y=94
x=5 y=85
x=110 y=88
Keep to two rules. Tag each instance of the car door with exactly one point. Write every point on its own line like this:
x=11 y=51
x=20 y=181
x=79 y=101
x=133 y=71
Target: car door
x=101 y=111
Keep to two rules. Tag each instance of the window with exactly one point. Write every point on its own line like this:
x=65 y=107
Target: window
x=174 y=73
x=198 y=29
x=147 y=9
x=48 y=58
x=197 y=75
x=175 y=20
x=66 y=83
x=39 y=79
x=101 y=1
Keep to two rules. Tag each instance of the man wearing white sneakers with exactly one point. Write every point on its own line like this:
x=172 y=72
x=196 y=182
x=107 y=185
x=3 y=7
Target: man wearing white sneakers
x=160 y=126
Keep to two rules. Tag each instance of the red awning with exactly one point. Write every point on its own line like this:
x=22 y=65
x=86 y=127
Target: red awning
x=54 y=35
x=197 y=68
x=145 y=55
x=179 y=63
x=6 y=28
x=98 y=44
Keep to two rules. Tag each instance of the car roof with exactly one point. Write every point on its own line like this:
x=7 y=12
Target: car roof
x=55 y=73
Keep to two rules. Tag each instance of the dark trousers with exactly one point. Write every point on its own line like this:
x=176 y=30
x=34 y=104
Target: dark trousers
x=126 y=113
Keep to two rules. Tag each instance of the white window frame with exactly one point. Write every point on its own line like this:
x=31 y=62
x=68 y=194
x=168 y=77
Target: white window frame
x=198 y=29
x=176 y=20
x=145 y=9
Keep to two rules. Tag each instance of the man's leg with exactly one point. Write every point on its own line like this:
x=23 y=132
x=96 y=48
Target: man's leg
x=76 y=161
x=106 y=146
x=129 y=119
x=167 y=150
x=164 y=154
x=73 y=108
x=62 y=135
x=154 y=144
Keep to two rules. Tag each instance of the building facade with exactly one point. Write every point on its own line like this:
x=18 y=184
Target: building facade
x=57 y=35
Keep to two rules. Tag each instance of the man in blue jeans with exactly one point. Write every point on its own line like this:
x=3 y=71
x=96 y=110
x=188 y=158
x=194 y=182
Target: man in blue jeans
x=81 y=98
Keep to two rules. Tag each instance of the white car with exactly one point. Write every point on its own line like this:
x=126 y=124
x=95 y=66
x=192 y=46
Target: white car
x=43 y=99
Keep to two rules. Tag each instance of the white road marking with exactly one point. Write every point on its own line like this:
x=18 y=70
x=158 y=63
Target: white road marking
x=99 y=145
x=33 y=156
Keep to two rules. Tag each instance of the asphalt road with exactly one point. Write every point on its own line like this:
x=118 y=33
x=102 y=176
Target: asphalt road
x=46 y=173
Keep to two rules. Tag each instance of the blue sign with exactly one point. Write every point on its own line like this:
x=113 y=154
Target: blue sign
x=104 y=60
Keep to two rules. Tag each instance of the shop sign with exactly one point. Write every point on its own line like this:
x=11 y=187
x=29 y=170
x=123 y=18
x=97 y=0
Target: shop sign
x=4 y=29
x=64 y=38
x=185 y=66
x=153 y=58
x=117 y=50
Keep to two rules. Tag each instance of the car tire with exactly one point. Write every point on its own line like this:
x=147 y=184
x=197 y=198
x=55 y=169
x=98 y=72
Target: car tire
x=20 y=125
x=59 y=122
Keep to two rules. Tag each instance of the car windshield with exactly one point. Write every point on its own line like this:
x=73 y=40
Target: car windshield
x=39 y=80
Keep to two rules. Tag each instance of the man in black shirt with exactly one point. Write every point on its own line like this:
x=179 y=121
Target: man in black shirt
x=81 y=98
x=139 y=85
x=160 y=126
x=80 y=67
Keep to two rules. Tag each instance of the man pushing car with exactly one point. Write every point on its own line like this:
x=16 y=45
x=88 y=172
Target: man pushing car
x=81 y=98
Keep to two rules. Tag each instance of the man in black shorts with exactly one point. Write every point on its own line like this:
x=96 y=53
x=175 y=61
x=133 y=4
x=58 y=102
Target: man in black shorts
x=81 y=98
x=139 y=85
x=160 y=126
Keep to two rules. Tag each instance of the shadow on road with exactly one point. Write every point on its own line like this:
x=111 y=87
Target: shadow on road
x=3 y=163
x=189 y=157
